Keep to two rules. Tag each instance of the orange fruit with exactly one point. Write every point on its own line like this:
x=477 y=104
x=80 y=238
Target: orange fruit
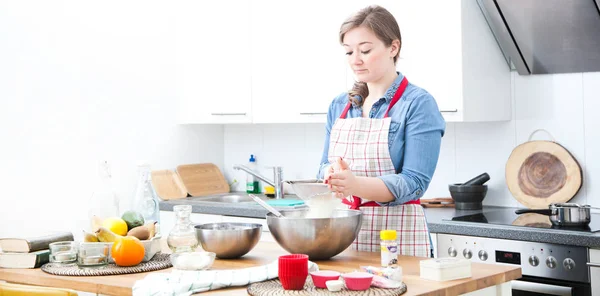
x=128 y=251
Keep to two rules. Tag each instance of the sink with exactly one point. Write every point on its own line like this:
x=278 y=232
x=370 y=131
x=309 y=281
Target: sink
x=229 y=198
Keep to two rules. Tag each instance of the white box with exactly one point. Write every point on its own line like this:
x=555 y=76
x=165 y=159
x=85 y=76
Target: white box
x=445 y=269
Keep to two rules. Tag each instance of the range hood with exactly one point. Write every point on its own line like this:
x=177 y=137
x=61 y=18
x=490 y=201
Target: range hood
x=546 y=36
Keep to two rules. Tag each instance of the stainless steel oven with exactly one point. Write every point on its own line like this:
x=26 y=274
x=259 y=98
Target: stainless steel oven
x=548 y=269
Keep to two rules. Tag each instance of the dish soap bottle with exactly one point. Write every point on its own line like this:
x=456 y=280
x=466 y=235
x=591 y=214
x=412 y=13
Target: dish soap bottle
x=252 y=184
x=145 y=199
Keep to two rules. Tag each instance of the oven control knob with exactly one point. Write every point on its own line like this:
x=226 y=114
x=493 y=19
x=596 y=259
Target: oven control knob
x=569 y=264
x=452 y=252
x=467 y=253
x=533 y=260
x=551 y=262
x=483 y=255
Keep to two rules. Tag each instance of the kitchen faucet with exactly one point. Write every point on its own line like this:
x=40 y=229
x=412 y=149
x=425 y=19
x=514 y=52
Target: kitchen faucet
x=277 y=178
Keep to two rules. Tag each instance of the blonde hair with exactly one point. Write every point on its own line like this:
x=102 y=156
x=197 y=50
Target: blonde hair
x=383 y=24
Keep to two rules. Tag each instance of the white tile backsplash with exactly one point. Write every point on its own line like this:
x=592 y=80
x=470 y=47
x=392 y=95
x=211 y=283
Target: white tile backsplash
x=553 y=103
x=485 y=147
x=563 y=104
x=591 y=133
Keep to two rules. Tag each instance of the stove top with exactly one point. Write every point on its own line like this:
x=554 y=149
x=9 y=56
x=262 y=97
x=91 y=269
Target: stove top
x=508 y=217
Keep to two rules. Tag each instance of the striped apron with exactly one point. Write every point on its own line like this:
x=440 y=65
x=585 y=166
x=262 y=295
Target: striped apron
x=363 y=143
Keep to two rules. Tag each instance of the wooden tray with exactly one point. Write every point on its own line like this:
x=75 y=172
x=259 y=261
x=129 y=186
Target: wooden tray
x=273 y=287
x=202 y=179
x=439 y=202
x=168 y=185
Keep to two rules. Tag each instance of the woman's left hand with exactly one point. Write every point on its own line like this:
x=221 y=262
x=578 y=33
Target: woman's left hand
x=342 y=181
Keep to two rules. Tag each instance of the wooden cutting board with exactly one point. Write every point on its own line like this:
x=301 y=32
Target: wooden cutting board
x=168 y=184
x=439 y=202
x=202 y=179
x=539 y=173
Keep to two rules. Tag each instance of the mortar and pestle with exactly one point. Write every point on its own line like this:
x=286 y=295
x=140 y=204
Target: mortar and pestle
x=469 y=195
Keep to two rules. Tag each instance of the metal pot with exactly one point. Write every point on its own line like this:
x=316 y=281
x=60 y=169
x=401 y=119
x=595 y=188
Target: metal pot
x=564 y=214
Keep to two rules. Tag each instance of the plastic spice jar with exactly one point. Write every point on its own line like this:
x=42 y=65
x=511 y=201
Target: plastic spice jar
x=389 y=248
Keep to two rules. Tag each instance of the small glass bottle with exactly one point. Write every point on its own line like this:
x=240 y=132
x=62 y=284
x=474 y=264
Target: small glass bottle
x=182 y=237
x=104 y=202
x=389 y=248
x=145 y=200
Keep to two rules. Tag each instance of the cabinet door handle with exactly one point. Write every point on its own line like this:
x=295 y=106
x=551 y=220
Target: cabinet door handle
x=313 y=113
x=449 y=111
x=228 y=114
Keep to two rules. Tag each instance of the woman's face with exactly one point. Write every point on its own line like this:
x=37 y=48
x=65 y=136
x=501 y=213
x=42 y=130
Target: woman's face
x=368 y=56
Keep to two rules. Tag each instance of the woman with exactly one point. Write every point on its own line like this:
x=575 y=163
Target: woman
x=382 y=138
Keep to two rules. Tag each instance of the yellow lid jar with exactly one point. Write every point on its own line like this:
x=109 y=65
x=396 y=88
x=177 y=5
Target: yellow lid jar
x=389 y=248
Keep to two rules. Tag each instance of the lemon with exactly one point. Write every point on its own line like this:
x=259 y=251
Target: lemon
x=116 y=225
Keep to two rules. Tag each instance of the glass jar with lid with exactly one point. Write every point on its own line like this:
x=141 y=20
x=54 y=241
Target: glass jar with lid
x=182 y=237
x=145 y=200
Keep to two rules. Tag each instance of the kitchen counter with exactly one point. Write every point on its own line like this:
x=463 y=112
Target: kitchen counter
x=487 y=278
x=439 y=220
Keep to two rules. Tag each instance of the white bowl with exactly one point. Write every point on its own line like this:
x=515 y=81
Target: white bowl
x=151 y=247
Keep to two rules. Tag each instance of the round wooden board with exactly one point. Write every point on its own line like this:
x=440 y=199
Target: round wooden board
x=533 y=220
x=539 y=173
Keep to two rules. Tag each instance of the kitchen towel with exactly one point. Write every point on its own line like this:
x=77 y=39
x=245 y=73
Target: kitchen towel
x=183 y=282
x=285 y=202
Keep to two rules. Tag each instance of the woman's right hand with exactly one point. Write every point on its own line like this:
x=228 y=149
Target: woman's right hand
x=327 y=175
x=337 y=166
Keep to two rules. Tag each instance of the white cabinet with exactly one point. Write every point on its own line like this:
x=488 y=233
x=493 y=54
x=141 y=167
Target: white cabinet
x=298 y=65
x=267 y=61
x=449 y=50
x=212 y=42
x=595 y=270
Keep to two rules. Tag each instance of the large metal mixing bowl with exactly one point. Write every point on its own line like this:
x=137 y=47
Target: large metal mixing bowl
x=227 y=239
x=319 y=238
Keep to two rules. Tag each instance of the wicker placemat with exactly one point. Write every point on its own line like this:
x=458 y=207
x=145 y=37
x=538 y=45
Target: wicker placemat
x=273 y=287
x=159 y=261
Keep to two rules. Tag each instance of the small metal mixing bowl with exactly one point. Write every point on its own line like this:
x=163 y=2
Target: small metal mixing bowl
x=228 y=240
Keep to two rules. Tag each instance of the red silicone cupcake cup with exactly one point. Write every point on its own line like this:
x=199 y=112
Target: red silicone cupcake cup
x=293 y=270
x=290 y=282
x=321 y=277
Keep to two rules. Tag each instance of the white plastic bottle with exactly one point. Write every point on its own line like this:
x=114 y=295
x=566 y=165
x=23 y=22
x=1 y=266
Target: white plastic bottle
x=252 y=183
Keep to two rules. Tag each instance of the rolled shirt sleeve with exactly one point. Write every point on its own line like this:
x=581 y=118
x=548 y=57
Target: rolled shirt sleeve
x=423 y=133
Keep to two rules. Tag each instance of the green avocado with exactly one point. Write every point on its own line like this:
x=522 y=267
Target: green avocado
x=133 y=219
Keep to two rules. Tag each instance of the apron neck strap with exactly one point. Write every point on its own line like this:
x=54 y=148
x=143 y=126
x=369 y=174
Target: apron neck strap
x=397 y=95
x=395 y=99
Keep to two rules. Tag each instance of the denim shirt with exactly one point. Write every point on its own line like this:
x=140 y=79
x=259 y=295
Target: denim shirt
x=415 y=137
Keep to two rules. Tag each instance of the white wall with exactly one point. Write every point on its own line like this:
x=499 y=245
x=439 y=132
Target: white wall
x=566 y=105
x=81 y=82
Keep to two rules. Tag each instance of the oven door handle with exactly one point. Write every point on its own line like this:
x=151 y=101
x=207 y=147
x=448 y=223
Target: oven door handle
x=544 y=289
x=593 y=264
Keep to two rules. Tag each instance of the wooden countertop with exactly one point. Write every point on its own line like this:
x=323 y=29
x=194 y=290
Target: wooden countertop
x=484 y=275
